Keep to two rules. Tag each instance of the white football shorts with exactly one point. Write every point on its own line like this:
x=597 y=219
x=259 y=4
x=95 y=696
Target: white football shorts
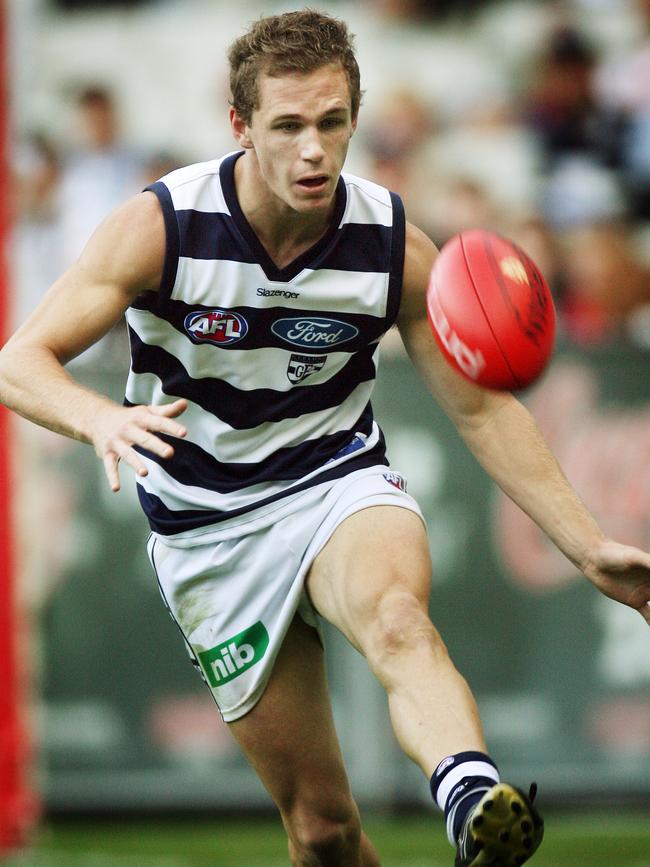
x=234 y=600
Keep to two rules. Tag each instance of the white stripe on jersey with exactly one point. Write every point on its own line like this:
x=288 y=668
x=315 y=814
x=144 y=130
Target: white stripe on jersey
x=197 y=188
x=196 y=280
x=367 y=203
x=238 y=282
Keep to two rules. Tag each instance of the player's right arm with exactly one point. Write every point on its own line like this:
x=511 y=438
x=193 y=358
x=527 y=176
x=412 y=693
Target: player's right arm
x=124 y=257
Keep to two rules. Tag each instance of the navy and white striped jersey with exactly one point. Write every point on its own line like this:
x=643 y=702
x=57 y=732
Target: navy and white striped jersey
x=277 y=364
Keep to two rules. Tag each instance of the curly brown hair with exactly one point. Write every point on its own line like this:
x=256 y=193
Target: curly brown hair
x=292 y=42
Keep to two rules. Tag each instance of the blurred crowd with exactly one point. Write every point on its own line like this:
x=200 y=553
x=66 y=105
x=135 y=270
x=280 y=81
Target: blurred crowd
x=560 y=163
x=562 y=166
x=64 y=190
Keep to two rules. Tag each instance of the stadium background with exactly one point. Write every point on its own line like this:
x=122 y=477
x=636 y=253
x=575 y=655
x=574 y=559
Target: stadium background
x=532 y=118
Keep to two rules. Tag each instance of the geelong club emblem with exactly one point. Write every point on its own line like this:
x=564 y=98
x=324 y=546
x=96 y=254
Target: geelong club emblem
x=302 y=366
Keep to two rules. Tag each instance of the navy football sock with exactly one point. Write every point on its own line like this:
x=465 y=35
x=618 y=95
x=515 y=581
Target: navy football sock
x=458 y=783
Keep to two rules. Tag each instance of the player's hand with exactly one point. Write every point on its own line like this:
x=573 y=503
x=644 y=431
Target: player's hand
x=118 y=429
x=622 y=573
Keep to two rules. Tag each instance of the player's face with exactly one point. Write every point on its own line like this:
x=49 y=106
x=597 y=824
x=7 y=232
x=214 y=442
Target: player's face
x=300 y=135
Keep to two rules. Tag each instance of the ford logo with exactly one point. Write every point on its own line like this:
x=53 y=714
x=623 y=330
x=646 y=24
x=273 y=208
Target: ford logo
x=311 y=332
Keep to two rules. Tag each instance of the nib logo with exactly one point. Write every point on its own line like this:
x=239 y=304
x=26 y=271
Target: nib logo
x=234 y=656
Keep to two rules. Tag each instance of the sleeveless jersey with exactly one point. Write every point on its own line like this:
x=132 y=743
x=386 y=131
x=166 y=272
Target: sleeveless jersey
x=277 y=364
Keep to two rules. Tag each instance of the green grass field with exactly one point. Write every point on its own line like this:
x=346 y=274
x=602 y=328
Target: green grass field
x=579 y=841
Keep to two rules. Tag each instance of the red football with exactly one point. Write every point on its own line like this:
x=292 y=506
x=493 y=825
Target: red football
x=491 y=310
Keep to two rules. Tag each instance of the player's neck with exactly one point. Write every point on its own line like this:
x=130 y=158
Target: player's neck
x=283 y=232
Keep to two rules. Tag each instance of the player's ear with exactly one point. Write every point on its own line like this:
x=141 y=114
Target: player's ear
x=240 y=129
x=353 y=124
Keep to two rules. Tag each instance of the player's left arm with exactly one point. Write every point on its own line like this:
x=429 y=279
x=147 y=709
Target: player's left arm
x=504 y=438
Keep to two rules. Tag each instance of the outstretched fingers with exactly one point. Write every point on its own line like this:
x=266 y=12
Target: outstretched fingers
x=126 y=429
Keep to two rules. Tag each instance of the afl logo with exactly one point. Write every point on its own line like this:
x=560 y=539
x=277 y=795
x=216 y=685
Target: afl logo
x=313 y=332
x=219 y=327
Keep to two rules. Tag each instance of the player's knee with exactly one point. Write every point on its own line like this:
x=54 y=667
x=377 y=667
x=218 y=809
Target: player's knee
x=401 y=624
x=320 y=840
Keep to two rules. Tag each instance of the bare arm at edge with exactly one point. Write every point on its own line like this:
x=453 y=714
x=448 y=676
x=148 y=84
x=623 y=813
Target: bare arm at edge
x=504 y=438
x=124 y=257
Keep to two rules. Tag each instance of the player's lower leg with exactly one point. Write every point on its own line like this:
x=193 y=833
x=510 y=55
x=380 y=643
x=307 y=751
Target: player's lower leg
x=435 y=709
x=432 y=710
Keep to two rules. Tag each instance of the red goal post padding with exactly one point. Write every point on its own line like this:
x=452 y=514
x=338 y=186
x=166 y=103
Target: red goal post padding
x=16 y=801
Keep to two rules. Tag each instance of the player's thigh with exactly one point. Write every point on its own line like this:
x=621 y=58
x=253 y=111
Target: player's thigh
x=289 y=736
x=377 y=555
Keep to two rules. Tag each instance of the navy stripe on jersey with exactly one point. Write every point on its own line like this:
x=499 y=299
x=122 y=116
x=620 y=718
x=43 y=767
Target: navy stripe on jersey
x=398 y=250
x=173 y=521
x=191 y=463
x=172 y=236
x=359 y=247
x=260 y=322
x=210 y=236
x=248 y=409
